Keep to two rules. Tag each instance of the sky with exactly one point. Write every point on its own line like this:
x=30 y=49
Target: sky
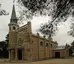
x=61 y=36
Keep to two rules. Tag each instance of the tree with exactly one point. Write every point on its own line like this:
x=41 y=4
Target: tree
x=3 y=12
x=7 y=39
x=58 y=9
x=71 y=49
x=3 y=49
x=72 y=46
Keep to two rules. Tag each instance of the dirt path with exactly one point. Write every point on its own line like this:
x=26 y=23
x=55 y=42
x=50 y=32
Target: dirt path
x=50 y=61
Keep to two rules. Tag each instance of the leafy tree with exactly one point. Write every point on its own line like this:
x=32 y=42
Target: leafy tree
x=3 y=49
x=58 y=9
x=70 y=51
x=2 y=11
x=72 y=46
x=7 y=38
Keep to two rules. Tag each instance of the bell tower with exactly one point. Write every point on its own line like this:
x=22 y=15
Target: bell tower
x=13 y=26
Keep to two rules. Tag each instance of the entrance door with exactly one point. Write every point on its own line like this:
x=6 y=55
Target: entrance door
x=57 y=54
x=19 y=54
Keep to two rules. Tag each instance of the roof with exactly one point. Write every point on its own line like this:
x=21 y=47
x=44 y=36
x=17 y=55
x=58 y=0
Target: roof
x=59 y=48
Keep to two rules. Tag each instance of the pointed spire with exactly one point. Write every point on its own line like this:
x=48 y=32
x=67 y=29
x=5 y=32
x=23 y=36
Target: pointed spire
x=13 y=16
x=13 y=13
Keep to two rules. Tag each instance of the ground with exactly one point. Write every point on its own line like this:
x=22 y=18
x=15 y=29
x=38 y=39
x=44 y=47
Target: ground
x=49 y=61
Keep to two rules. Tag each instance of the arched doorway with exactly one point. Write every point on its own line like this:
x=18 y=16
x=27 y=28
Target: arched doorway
x=19 y=54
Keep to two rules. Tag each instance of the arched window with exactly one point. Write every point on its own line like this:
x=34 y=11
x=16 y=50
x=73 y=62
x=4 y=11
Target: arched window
x=41 y=43
x=47 y=44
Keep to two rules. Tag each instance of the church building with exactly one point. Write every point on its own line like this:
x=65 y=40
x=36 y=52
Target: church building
x=24 y=45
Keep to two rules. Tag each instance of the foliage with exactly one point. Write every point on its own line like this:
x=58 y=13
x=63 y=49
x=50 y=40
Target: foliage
x=72 y=46
x=3 y=12
x=39 y=7
x=71 y=49
x=3 y=49
x=60 y=10
x=70 y=52
x=33 y=5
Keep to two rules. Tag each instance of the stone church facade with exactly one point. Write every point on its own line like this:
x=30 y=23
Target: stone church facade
x=24 y=45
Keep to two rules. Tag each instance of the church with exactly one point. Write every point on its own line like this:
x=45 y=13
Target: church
x=24 y=45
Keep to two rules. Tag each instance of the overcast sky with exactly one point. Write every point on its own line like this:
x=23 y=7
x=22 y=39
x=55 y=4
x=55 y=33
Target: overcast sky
x=61 y=37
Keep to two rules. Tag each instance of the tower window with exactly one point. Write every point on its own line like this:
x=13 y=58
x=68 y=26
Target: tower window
x=41 y=43
x=14 y=28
